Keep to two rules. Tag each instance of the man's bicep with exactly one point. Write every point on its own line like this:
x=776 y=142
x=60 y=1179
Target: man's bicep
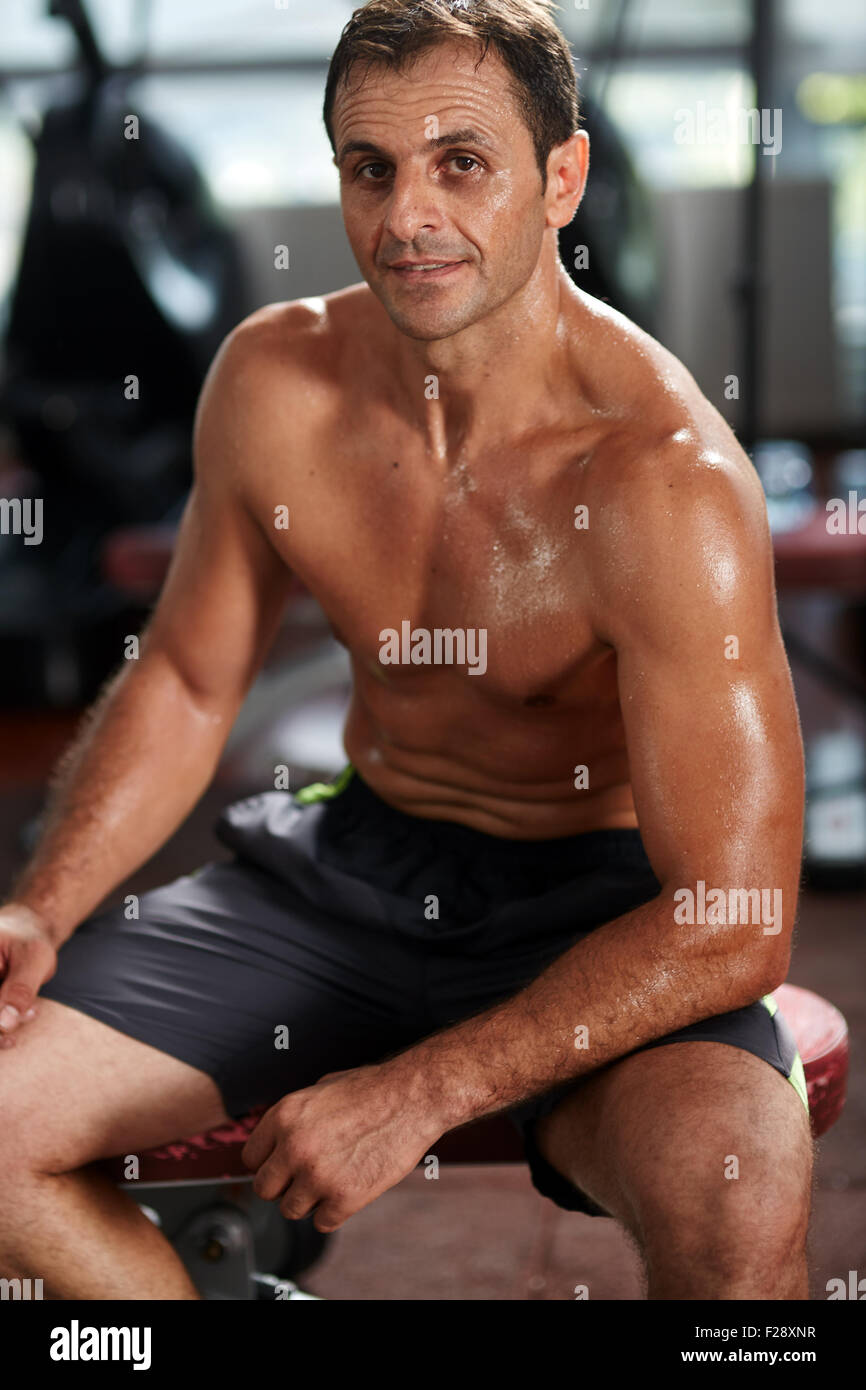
x=712 y=732
x=714 y=757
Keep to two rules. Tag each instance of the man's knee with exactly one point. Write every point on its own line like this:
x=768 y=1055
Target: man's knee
x=32 y=1141
x=73 y=1090
x=20 y=1142
x=734 y=1200
x=702 y=1151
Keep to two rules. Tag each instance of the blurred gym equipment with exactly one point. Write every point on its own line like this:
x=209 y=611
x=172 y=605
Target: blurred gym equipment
x=127 y=282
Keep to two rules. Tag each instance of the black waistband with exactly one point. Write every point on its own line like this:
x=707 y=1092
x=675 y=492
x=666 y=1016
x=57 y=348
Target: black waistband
x=359 y=803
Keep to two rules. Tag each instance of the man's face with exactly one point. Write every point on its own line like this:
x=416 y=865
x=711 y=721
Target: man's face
x=437 y=166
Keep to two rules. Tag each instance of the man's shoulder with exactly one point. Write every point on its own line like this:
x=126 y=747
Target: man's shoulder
x=281 y=372
x=668 y=488
x=276 y=379
x=301 y=335
x=660 y=432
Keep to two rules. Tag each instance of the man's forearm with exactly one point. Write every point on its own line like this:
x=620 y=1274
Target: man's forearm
x=634 y=979
x=144 y=755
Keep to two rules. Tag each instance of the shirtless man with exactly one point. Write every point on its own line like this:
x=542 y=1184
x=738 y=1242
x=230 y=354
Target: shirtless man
x=488 y=909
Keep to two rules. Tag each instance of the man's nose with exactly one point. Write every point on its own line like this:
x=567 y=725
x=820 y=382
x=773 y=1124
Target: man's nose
x=414 y=206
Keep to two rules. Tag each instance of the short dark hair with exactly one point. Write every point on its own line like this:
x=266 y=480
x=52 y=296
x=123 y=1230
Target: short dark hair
x=522 y=32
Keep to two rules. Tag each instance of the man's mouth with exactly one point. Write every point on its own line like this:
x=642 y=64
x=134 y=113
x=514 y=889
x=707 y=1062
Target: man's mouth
x=428 y=270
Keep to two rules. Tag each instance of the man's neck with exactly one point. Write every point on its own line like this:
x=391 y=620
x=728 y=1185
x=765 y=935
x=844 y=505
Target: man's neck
x=502 y=375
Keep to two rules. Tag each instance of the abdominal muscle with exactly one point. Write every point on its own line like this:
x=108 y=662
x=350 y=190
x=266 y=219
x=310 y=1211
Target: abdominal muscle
x=422 y=773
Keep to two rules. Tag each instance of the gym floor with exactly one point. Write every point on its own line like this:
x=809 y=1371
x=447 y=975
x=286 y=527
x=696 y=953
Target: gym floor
x=484 y=1232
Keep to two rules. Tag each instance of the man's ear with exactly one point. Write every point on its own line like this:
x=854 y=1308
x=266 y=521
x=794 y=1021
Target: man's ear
x=567 y=172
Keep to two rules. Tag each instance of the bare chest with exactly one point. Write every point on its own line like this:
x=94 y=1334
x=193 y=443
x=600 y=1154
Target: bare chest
x=469 y=575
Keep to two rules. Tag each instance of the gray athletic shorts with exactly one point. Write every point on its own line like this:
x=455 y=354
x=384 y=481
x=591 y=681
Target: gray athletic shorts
x=360 y=929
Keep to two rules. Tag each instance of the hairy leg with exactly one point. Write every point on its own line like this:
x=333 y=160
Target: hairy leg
x=73 y=1090
x=703 y=1153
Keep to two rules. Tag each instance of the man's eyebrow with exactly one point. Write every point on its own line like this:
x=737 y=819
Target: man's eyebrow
x=466 y=136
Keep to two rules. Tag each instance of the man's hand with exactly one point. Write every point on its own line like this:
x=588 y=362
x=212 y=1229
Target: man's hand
x=338 y=1145
x=27 y=959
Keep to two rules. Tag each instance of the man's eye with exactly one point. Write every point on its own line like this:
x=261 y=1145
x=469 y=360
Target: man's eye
x=465 y=159
x=382 y=168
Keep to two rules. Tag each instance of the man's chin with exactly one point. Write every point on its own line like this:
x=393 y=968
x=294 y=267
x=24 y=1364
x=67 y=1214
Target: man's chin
x=425 y=333
x=427 y=323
